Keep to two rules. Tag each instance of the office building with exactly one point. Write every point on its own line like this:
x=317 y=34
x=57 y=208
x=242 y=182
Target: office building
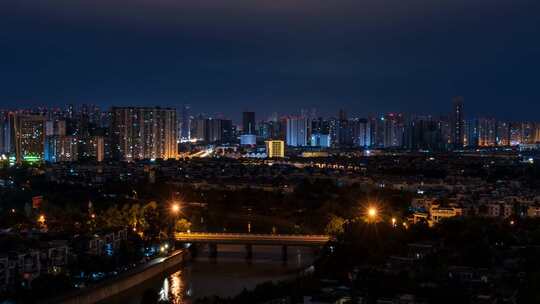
x=297 y=132
x=275 y=148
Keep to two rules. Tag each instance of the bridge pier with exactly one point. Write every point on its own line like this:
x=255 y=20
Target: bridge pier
x=212 y=250
x=249 y=252
x=194 y=250
x=284 y=253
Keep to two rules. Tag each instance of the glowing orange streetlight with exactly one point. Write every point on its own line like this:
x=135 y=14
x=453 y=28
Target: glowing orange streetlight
x=372 y=212
x=175 y=208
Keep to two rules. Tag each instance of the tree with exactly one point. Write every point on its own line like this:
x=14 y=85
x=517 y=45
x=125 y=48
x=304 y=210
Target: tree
x=112 y=217
x=335 y=225
x=182 y=225
x=152 y=220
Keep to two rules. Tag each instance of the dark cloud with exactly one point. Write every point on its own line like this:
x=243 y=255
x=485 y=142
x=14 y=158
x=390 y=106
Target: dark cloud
x=226 y=56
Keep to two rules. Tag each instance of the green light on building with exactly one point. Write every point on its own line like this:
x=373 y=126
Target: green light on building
x=32 y=159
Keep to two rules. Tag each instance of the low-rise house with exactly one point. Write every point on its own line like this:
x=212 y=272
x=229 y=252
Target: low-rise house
x=106 y=243
x=533 y=211
x=437 y=213
x=55 y=256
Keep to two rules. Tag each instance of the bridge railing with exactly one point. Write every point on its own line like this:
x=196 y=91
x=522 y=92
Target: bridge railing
x=214 y=234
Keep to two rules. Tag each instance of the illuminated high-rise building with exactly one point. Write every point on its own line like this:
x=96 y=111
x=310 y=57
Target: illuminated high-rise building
x=376 y=128
x=503 y=133
x=96 y=148
x=275 y=148
x=29 y=136
x=144 y=133
x=457 y=123
x=185 y=124
x=393 y=128
x=363 y=133
x=516 y=138
x=297 y=131
x=61 y=149
x=487 y=132
x=470 y=133
x=528 y=133
x=320 y=140
x=387 y=130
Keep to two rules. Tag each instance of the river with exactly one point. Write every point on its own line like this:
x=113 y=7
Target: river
x=225 y=276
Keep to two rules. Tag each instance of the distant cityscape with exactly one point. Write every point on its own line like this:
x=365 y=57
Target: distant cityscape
x=87 y=132
x=140 y=204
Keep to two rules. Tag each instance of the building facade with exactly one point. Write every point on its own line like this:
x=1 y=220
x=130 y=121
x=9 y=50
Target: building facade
x=297 y=132
x=144 y=133
x=275 y=148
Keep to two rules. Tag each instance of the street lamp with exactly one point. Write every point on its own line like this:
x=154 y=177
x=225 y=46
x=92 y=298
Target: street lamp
x=175 y=208
x=393 y=222
x=372 y=212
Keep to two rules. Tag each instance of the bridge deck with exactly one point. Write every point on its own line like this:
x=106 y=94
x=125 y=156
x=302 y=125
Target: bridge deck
x=254 y=239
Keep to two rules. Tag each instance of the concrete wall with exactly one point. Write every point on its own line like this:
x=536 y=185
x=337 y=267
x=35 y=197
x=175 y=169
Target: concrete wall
x=109 y=288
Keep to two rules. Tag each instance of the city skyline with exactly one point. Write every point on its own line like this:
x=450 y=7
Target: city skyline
x=269 y=151
x=236 y=115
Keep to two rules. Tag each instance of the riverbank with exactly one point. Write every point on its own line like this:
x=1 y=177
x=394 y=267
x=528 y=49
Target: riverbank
x=225 y=277
x=125 y=281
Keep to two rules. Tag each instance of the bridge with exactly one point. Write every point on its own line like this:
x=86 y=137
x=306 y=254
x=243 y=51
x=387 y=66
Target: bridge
x=249 y=239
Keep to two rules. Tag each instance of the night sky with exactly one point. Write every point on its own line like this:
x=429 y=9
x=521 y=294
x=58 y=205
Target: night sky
x=226 y=56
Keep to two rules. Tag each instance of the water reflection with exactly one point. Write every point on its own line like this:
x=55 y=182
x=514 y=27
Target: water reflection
x=225 y=276
x=173 y=289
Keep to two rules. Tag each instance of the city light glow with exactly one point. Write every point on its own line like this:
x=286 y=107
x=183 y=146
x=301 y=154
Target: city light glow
x=372 y=212
x=175 y=208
